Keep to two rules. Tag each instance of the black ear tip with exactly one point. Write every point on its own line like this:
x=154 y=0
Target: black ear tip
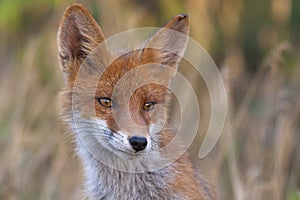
x=182 y=16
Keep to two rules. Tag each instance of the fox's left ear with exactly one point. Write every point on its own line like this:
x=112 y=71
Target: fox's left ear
x=168 y=45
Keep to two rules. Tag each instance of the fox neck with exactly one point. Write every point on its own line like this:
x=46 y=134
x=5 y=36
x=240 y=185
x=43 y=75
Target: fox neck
x=104 y=182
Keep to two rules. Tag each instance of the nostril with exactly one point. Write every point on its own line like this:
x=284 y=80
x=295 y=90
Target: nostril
x=138 y=143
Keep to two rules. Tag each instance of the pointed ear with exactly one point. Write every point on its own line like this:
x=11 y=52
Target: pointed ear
x=77 y=36
x=168 y=45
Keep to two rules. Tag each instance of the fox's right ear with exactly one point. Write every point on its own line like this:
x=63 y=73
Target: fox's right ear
x=77 y=36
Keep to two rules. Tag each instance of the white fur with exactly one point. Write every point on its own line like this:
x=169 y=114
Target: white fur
x=109 y=182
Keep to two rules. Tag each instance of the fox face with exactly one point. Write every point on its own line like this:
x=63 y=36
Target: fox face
x=117 y=104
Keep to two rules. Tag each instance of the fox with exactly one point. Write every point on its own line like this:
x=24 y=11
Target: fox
x=117 y=107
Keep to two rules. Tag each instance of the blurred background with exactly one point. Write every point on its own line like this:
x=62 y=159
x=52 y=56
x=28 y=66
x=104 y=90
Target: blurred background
x=256 y=46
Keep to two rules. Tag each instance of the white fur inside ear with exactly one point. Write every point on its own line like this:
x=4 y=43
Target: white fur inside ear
x=170 y=45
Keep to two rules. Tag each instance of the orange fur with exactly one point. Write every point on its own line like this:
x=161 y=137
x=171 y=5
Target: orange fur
x=78 y=36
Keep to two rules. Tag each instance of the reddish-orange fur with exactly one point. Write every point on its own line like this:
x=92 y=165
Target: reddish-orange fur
x=78 y=35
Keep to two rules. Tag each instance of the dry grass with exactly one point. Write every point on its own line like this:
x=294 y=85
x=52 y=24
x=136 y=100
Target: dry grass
x=257 y=156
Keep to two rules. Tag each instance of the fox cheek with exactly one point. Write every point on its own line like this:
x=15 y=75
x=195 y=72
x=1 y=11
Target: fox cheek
x=157 y=124
x=155 y=129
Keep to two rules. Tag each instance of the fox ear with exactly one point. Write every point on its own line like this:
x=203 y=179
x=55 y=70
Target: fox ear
x=168 y=45
x=77 y=36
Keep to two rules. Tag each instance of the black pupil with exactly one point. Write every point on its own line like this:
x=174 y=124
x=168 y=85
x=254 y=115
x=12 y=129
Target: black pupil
x=105 y=102
x=148 y=106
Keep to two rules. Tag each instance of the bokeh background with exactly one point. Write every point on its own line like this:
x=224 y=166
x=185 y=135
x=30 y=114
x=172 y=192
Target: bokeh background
x=256 y=46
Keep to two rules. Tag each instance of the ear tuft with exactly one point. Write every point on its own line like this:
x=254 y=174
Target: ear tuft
x=77 y=36
x=168 y=45
x=179 y=23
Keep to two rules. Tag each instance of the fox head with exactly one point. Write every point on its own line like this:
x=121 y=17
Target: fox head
x=117 y=103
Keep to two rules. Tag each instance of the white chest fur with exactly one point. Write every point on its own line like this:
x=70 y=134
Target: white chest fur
x=103 y=182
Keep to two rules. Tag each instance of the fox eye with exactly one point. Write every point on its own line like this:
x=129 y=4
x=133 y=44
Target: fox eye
x=104 y=101
x=148 y=106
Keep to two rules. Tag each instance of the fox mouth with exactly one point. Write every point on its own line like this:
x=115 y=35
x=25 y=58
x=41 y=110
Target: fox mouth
x=113 y=141
x=131 y=153
x=124 y=149
x=121 y=150
x=116 y=143
x=127 y=154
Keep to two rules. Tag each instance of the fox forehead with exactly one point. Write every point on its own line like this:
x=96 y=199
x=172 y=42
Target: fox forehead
x=115 y=70
x=146 y=81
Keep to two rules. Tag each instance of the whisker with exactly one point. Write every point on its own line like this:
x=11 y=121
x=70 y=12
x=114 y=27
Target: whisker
x=90 y=123
x=93 y=130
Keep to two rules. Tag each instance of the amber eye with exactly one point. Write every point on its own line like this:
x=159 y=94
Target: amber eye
x=148 y=106
x=104 y=101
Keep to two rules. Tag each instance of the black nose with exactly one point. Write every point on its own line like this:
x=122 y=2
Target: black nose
x=138 y=143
